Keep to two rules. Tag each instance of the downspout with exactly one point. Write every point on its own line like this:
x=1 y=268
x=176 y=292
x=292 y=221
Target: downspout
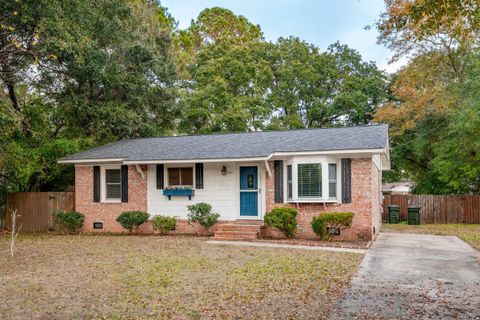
x=140 y=171
x=269 y=172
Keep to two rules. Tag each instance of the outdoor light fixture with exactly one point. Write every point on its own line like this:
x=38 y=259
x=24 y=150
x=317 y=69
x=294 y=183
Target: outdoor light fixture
x=224 y=171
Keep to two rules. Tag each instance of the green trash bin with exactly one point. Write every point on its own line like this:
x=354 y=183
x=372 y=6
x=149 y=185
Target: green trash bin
x=393 y=214
x=413 y=215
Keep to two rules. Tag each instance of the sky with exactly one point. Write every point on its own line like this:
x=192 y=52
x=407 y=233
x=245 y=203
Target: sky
x=320 y=22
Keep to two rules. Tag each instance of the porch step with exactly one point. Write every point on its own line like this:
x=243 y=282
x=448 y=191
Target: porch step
x=248 y=222
x=237 y=231
x=238 y=227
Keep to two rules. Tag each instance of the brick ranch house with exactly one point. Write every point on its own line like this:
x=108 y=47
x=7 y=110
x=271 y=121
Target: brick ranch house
x=242 y=175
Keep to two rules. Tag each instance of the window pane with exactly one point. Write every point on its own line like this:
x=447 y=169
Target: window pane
x=187 y=176
x=289 y=182
x=112 y=175
x=332 y=179
x=174 y=176
x=113 y=191
x=332 y=172
x=332 y=189
x=310 y=180
x=180 y=176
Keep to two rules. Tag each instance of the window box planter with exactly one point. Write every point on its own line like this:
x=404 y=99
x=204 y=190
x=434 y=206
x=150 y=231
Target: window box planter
x=178 y=193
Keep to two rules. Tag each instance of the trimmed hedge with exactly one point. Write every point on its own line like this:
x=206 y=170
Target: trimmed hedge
x=164 y=224
x=70 y=221
x=284 y=219
x=325 y=224
x=132 y=219
x=201 y=213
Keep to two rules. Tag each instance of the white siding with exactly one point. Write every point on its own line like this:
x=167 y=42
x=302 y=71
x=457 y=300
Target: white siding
x=220 y=191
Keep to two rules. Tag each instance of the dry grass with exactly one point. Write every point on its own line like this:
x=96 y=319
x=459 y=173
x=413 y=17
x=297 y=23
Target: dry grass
x=469 y=233
x=128 y=277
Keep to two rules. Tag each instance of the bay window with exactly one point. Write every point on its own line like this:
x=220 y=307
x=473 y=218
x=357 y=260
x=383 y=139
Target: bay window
x=289 y=182
x=332 y=180
x=310 y=179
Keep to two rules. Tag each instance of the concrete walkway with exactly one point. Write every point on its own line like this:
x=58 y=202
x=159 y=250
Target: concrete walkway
x=285 y=246
x=411 y=276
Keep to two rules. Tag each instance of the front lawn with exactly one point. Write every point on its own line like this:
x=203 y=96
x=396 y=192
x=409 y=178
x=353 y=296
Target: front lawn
x=135 y=277
x=469 y=233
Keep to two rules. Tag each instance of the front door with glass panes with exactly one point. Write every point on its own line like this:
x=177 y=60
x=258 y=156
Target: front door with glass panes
x=249 y=192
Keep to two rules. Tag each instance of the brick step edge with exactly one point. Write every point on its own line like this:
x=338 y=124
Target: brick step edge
x=233 y=233
x=238 y=228
x=232 y=239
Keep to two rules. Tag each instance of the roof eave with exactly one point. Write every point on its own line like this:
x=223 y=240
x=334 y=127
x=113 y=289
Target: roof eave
x=80 y=161
x=381 y=151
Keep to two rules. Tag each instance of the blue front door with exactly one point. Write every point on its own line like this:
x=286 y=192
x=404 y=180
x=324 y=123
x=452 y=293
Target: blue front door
x=248 y=192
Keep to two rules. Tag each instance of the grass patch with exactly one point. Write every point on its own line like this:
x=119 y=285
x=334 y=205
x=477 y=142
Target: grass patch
x=469 y=233
x=131 y=277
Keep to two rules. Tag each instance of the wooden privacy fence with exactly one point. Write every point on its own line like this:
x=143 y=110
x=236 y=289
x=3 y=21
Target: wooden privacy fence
x=36 y=208
x=437 y=209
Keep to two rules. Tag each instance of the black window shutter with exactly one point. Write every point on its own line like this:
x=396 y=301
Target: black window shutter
x=199 y=175
x=96 y=184
x=124 y=180
x=278 y=169
x=346 y=180
x=160 y=183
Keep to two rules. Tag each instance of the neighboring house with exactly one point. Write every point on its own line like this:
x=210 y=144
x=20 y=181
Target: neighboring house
x=404 y=187
x=242 y=175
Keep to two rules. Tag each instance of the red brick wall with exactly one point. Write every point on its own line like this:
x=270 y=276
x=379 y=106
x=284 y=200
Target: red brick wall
x=108 y=212
x=361 y=205
x=377 y=199
x=365 y=204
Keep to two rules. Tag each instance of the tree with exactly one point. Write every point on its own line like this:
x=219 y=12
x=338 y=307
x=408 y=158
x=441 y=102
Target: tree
x=227 y=91
x=212 y=26
x=313 y=89
x=438 y=37
x=424 y=26
x=74 y=74
x=457 y=153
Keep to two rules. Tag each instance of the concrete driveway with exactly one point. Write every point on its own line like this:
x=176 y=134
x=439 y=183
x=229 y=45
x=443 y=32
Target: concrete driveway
x=412 y=276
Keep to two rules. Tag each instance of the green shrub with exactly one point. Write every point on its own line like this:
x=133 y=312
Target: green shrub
x=325 y=224
x=70 y=221
x=284 y=219
x=164 y=224
x=132 y=219
x=201 y=213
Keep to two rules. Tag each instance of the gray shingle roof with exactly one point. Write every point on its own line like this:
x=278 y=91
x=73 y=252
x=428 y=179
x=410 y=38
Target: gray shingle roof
x=240 y=145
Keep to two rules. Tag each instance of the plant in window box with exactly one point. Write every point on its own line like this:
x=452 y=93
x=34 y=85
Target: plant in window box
x=170 y=191
x=179 y=188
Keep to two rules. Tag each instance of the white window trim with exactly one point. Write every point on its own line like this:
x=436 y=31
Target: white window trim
x=324 y=161
x=103 y=184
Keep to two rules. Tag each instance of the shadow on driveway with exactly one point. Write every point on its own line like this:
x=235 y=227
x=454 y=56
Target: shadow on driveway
x=412 y=276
